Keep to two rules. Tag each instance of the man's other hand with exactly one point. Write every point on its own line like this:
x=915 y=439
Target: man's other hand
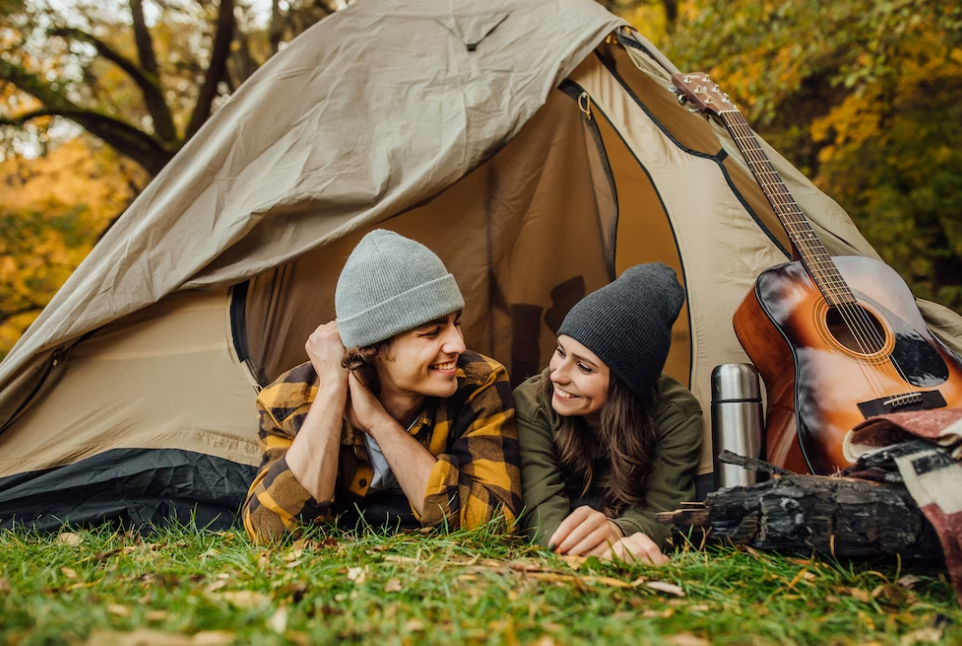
x=325 y=350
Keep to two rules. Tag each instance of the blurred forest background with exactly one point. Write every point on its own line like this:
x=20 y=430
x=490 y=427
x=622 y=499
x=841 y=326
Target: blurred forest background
x=864 y=96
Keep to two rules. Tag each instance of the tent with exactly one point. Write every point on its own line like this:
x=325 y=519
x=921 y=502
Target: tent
x=535 y=146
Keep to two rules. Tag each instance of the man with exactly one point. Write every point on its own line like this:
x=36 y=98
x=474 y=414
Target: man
x=405 y=426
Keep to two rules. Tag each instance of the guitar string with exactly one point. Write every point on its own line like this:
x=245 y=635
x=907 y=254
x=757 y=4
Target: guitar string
x=864 y=329
x=829 y=289
x=800 y=230
x=853 y=310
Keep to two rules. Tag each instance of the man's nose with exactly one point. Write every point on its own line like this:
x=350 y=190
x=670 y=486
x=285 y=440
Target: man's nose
x=453 y=341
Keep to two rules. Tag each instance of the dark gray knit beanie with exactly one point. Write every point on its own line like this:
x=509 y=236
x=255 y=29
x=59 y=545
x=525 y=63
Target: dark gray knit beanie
x=627 y=323
x=391 y=284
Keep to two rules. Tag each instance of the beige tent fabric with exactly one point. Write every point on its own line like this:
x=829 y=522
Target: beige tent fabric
x=348 y=126
x=166 y=377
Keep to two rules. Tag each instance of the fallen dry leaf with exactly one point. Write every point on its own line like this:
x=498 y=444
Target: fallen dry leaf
x=393 y=558
x=147 y=637
x=70 y=573
x=245 y=598
x=278 y=621
x=922 y=636
x=393 y=585
x=68 y=538
x=662 y=586
x=908 y=581
x=857 y=593
x=412 y=625
x=687 y=639
x=606 y=580
x=892 y=595
x=574 y=562
x=545 y=640
x=156 y=615
x=5 y=585
x=357 y=574
x=120 y=611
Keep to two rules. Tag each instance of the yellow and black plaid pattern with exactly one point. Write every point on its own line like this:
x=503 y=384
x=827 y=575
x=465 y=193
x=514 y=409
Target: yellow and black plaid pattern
x=471 y=433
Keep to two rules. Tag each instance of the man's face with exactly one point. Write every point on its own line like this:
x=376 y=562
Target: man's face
x=423 y=361
x=579 y=379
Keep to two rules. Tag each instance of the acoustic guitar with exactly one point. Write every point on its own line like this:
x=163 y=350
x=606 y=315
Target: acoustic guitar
x=836 y=339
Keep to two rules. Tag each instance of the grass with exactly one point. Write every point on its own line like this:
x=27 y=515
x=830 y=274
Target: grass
x=191 y=587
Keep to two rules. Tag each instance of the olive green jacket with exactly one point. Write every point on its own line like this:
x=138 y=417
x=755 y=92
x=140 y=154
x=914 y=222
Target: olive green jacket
x=548 y=499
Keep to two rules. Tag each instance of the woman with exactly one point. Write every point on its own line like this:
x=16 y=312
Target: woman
x=607 y=441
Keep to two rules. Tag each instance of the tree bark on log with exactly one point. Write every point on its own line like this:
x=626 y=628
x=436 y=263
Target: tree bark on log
x=841 y=517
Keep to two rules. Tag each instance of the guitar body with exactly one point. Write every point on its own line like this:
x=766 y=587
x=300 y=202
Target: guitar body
x=822 y=379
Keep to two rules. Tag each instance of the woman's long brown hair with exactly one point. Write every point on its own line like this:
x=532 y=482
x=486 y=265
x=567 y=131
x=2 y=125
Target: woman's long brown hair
x=627 y=433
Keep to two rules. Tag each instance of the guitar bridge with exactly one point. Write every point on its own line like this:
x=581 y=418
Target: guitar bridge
x=924 y=400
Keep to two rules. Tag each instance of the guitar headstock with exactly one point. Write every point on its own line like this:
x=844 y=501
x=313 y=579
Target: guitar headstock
x=703 y=93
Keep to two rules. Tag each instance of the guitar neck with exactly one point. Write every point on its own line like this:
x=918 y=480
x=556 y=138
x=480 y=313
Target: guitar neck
x=813 y=253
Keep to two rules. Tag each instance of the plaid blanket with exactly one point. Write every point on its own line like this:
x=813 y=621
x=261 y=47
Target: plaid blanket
x=924 y=447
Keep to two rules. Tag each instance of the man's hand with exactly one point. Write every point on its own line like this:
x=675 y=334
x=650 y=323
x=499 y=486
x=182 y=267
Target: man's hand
x=585 y=532
x=363 y=410
x=325 y=350
x=636 y=548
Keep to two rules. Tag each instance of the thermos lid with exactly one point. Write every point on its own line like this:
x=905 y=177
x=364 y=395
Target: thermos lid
x=738 y=381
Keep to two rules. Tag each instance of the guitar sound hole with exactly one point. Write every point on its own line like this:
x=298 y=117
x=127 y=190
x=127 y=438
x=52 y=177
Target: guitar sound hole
x=856 y=329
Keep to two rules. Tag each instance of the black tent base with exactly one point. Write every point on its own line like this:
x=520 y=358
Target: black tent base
x=136 y=488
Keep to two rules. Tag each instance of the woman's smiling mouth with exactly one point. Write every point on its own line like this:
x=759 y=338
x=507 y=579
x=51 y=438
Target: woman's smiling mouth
x=561 y=394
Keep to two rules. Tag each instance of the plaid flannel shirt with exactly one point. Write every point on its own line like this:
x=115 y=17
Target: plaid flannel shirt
x=472 y=435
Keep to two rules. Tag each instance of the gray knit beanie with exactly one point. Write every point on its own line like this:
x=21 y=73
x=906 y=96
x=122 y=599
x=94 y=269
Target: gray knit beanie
x=627 y=323
x=389 y=285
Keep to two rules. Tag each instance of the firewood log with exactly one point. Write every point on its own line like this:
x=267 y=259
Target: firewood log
x=842 y=517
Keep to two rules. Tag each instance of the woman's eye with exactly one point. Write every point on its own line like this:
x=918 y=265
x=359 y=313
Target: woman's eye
x=559 y=351
x=433 y=333
x=585 y=369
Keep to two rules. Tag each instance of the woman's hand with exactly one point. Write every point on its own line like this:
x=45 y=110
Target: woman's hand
x=585 y=532
x=325 y=350
x=363 y=409
x=638 y=548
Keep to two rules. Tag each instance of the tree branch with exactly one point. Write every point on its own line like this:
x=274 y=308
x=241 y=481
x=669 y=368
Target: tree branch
x=148 y=82
x=136 y=144
x=216 y=70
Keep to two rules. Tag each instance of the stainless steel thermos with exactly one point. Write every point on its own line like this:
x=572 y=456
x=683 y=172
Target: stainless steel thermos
x=736 y=420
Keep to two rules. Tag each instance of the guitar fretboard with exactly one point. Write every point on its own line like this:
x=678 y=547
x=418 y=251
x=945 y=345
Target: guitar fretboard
x=814 y=255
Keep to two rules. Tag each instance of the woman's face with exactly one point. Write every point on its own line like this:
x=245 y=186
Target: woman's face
x=423 y=361
x=579 y=379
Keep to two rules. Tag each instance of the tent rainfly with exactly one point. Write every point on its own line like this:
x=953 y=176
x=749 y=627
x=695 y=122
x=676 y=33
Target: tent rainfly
x=535 y=146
